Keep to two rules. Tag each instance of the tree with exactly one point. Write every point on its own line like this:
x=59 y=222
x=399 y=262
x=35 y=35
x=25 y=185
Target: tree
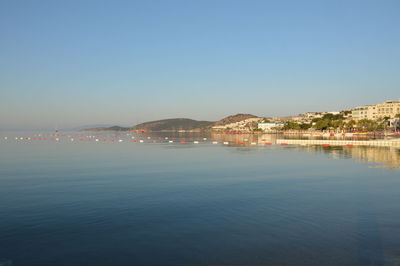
x=322 y=124
x=291 y=125
x=367 y=124
x=337 y=123
x=305 y=126
x=350 y=125
x=333 y=117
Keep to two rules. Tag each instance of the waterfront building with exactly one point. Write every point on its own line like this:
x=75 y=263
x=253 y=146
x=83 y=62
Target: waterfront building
x=270 y=126
x=387 y=109
x=364 y=112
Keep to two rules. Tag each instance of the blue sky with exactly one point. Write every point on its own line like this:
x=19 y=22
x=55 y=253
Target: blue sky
x=71 y=63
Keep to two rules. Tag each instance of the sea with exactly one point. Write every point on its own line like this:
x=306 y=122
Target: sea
x=195 y=199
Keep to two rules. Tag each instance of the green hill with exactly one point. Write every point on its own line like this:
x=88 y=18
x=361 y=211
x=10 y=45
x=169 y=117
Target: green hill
x=174 y=124
x=113 y=128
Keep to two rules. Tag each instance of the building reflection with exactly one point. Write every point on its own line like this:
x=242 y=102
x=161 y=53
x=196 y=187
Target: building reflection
x=381 y=156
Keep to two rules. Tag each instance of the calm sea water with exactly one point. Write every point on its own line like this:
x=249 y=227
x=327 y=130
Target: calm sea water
x=85 y=203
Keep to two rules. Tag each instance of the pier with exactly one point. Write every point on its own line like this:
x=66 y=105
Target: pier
x=377 y=143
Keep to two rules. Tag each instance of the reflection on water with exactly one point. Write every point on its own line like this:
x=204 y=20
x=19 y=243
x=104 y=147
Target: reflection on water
x=382 y=156
x=66 y=202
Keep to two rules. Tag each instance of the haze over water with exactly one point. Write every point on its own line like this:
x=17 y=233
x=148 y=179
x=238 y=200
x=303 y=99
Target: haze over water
x=92 y=203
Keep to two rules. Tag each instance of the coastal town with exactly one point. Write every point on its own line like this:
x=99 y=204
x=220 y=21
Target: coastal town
x=379 y=117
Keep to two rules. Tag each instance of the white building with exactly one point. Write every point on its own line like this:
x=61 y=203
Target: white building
x=387 y=109
x=364 y=112
x=270 y=126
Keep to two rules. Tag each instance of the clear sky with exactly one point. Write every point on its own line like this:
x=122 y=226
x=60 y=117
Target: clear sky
x=70 y=63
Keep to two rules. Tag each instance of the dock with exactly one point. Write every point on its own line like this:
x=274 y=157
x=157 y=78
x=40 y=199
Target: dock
x=375 y=143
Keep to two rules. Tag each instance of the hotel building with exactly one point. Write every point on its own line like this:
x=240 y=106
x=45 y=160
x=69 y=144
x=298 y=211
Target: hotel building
x=387 y=109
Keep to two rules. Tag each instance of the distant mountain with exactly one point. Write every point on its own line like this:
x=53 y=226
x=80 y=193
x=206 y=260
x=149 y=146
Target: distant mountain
x=174 y=124
x=113 y=128
x=85 y=127
x=233 y=119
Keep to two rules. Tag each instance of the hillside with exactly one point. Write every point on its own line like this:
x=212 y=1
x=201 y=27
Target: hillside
x=233 y=119
x=174 y=124
x=113 y=128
